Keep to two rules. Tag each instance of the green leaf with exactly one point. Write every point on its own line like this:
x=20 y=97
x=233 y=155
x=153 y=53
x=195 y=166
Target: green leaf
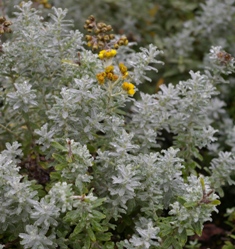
x=76 y=245
x=61 y=233
x=176 y=244
x=121 y=112
x=183 y=237
x=191 y=204
x=91 y=148
x=87 y=243
x=97 y=226
x=59 y=158
x=181 y=200
x=228 y=245
x=55 y=175
x=197 y=227
x=98 y=202
x=196 y=153
x=103 y=236
x=91 y=234
x=98 y=215
x=78 y=229
x=60 y=166
x=39 y=189
x=232 y=236
x=215 y=202
x=74 y=216
x=109 y=245
x=167 y=242
x=165 y=227
x=131 y=204
x=58 y=146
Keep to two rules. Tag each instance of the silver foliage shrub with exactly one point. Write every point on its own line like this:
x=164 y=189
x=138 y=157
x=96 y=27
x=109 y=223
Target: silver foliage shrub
x=114 y=183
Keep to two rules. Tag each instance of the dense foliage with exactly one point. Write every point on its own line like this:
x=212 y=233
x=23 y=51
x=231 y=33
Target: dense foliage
x=88 y=160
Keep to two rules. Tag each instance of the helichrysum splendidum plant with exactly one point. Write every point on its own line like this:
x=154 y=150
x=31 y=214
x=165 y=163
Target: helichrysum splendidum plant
x=87 y=171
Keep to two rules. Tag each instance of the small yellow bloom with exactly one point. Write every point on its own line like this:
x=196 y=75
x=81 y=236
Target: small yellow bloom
x=125 y=75
x=101 y=54
x=47 y=6
x=129 y=88
x=44 y=3
x=125 y=86
x=122 y=68
x=131 y=92
x=109 y=69
x=108 y=54
x=112 y=52
x=114 y=77
x=110 y=76
x=104 y=54
x=89 y=44
x=101 y=77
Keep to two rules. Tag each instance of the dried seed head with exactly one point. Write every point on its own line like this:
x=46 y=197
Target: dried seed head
x=2 y=19
x=111 y=36
x=7 y=23
x=109 y=28
x=106 y=37
x=97 y=31
x=88 y=37
x=95 y=47
x=100 y=25
x=91 y=18
x=100 y=37
x=104 y=29
x=101 y=44
x=224 y=57
x=90 y=26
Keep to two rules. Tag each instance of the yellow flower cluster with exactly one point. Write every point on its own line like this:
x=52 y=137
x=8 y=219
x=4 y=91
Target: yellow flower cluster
x=44 y=3
x=109 y=69
x=129 y=88
x=101 y=77
x=123 y=70
x=106 y=54
x=107 y=74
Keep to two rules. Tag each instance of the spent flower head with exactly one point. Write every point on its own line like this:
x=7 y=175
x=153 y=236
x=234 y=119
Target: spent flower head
x=5 y=25
x=221 y=60
x=101 y=37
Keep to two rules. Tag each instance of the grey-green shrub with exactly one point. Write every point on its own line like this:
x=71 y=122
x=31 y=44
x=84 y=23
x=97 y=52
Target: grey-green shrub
x=113 y=182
